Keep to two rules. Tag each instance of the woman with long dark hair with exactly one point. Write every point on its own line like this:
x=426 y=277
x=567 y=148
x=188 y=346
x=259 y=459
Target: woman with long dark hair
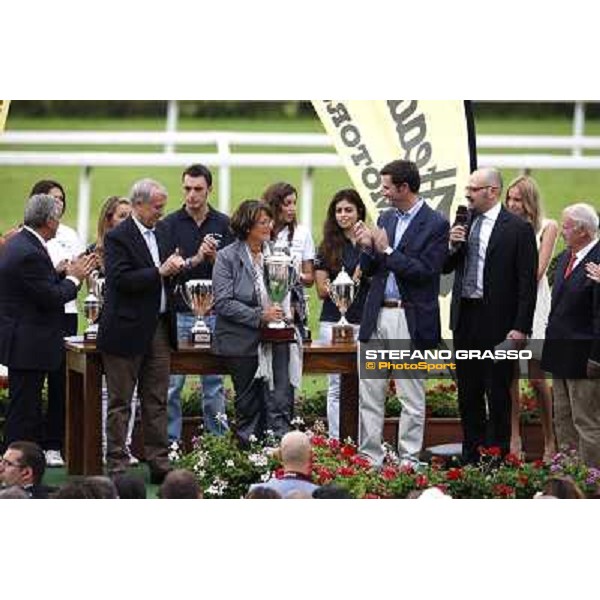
x=338 y=251
x=282 y=199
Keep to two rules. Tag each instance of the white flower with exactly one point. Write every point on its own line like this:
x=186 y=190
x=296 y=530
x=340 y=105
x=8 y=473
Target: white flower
x=297 y=422
x=253 y=439
x=230 y=464
x=222 y=419
x=218 y=487
x=265 y=477
x=258 y=460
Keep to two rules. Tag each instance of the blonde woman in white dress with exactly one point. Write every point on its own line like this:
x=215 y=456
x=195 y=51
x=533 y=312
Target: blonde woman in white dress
x=523 y=199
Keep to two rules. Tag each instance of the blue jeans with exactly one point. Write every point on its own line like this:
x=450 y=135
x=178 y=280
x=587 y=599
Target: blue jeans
x=213 y=394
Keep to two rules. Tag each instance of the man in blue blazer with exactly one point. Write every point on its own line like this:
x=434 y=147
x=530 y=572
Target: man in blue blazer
x=572 y=347
x=404 y=256
x=137 y=326
x=32 y=299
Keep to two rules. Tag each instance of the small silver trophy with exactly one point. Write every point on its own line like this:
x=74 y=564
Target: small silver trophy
x=198 y=295
x=279 y=273
x=92 y=305
x=342 y=291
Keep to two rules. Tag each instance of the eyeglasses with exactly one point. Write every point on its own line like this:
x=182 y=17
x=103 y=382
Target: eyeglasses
x=264 y=222
x=8 y=463
x=471 y=189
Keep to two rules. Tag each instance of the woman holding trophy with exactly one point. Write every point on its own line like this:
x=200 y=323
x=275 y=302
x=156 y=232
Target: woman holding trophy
x=245 y=303
x=282 y=198
x=340 y=284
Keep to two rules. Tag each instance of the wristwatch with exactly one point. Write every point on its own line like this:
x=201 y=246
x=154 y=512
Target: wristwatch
x=389 y=251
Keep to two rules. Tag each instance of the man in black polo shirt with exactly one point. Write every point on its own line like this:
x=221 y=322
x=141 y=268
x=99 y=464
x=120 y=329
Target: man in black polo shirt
x=197 y=225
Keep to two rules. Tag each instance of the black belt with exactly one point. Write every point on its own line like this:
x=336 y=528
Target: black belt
x=392 y=304
x=472 y=301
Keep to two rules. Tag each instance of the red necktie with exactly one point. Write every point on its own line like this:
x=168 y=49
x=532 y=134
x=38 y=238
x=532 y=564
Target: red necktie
x=569 y=268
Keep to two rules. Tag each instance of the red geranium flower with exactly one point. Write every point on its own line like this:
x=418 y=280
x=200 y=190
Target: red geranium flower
x=334 y=444
x=279 y=473
x=513 y=460
x=346 y=471
x=371 y=497
x=319 y=440
x=389 y=473
x=421 y=481
x=348 y=450
x=360 y=461
x=538 y=464
x=504 y=491
x=454 y=474
x=323 y=475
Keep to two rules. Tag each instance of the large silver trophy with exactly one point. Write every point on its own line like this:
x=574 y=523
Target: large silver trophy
x=280 y=274
x=92 y=305
x=198 y=295
x=342 y=291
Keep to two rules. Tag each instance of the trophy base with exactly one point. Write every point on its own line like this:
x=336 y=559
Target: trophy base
x=280 y=335
x=201 y=339
x=90 y=336
x=342 y=334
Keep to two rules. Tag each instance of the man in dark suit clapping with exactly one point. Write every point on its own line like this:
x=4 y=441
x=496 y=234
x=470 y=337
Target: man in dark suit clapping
x=137 y=326
x=572 y=348
x=32 y=299
x=493 y=300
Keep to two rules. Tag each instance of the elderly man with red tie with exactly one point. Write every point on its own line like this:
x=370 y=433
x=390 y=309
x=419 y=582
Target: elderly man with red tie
x=572 y=348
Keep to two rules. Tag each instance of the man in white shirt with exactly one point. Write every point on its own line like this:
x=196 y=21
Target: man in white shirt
x=493 y=300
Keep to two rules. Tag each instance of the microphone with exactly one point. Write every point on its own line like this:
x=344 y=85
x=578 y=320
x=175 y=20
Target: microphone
x=462 y=216
x=462 y=219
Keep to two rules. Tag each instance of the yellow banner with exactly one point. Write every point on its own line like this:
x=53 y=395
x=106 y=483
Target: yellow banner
x=437 y=135
x=4 y=104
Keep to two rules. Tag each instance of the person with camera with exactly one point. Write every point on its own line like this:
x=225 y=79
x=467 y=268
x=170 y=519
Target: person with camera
x=199 y=231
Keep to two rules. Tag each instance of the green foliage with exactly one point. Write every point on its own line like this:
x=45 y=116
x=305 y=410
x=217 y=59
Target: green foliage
x=225 y=471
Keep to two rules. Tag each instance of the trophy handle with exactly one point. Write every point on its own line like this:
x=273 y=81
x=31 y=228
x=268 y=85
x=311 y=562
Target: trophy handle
x=182 y=291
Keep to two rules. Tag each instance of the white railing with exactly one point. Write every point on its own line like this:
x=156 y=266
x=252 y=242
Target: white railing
x=225 y=158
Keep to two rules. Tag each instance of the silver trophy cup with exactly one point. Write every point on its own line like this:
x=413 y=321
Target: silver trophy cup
x=279 y=273
x=342 y=291
x=198 y=295
x=92 y=305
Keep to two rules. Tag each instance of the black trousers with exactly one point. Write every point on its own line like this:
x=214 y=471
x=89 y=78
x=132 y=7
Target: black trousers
x=257 y=409
x=24 y=413
x=483 y=387
x=54 y=424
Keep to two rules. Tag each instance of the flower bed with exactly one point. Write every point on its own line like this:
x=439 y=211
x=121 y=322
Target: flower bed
x=225 y=471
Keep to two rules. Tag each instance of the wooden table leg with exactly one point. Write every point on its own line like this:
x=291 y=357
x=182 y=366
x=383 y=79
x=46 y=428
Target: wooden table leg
x=75 y=420
x=92 y=428
x=349 y=406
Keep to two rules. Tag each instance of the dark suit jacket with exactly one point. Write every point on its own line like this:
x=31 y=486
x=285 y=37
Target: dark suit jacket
x=509 y=278
x=417 y=264
x=32 y=304
x=573 y=332
x=132 y=291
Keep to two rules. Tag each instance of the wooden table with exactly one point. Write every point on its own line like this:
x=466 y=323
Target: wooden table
x=84 y=392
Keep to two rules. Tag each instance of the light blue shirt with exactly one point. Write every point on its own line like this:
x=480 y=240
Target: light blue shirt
x=404 y=221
